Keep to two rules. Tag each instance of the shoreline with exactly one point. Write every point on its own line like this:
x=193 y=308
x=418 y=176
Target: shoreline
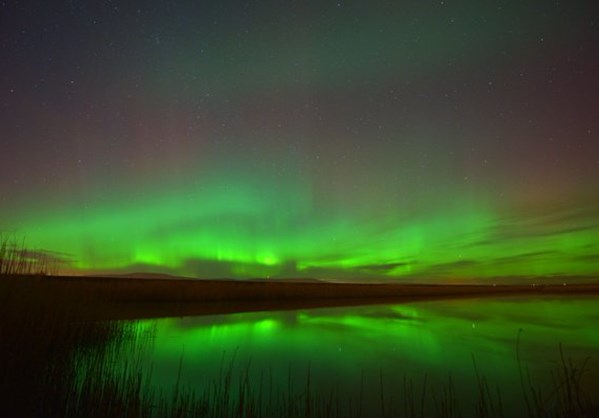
x=137 y=298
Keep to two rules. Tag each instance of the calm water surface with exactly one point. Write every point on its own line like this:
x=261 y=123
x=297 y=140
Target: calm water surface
x=348 y=351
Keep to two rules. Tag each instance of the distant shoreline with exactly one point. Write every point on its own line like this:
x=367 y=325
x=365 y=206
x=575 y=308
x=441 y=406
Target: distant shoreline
x=127 y=298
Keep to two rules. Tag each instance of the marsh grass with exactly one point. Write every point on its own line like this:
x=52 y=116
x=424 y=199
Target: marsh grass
x=567 y=397
x=17 y=259
x=54 y=364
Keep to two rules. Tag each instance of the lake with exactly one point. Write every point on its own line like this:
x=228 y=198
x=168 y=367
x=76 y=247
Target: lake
x=378 y=360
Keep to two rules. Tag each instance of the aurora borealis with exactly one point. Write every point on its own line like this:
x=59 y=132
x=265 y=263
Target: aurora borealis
x=407 y=141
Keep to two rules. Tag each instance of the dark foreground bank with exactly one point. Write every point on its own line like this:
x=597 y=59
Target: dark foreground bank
x=55 y=365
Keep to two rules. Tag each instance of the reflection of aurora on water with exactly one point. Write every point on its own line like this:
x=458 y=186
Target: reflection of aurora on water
x=341 y=346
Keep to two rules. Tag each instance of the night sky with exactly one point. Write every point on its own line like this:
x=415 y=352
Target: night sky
x=400 y=140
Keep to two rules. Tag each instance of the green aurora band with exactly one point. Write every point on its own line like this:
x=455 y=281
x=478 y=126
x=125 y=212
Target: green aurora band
x=241 y=225
x=408 y=141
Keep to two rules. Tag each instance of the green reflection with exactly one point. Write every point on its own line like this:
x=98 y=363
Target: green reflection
x=341 y=347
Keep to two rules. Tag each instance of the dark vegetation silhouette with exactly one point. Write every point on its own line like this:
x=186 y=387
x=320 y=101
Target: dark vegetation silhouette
x=17 y=259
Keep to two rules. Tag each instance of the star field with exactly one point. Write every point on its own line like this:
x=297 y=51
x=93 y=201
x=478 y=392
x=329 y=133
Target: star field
x=448 y=140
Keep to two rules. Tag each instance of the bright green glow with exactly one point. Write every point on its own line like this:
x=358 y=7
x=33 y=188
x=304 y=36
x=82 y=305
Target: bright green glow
x=435 y=338
x=292 y=149
x=240 y=225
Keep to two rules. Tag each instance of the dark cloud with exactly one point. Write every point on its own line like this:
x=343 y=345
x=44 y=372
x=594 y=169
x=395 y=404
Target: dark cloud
x=382 y=268
x=525 y=256
x=44 y=256
x=448 y=267
x=525 y=224
x=592 y=258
